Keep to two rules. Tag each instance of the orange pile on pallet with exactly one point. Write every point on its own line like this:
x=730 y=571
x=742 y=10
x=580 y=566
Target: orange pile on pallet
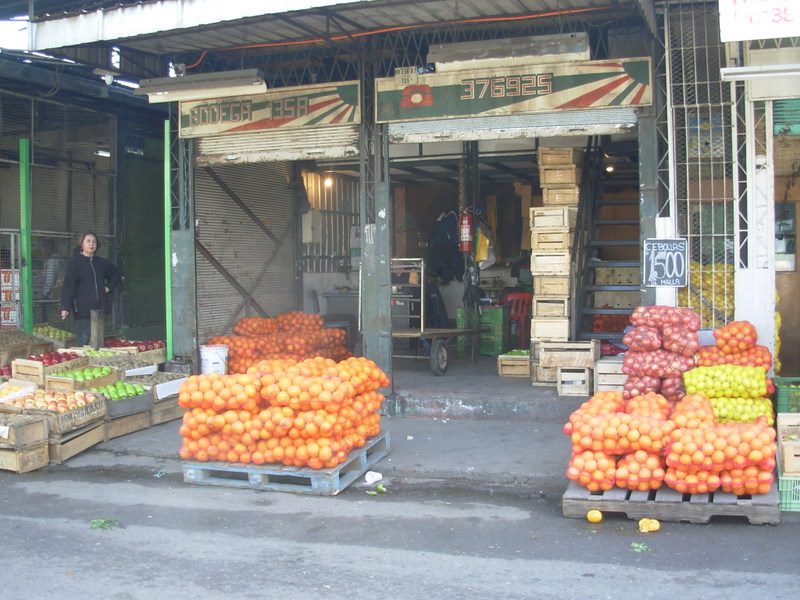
x=292 y=335
x=644 y=442
x=308 y=413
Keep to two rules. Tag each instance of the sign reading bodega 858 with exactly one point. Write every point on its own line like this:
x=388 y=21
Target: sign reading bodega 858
x=283 y=108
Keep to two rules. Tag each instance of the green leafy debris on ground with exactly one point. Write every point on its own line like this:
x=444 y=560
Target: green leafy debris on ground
x=104 y=523
x=639 y=547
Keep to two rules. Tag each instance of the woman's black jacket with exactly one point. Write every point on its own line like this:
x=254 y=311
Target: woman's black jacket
x=85 y=282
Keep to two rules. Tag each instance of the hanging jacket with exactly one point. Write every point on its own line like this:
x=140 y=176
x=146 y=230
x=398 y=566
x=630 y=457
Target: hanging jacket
x=84 y=284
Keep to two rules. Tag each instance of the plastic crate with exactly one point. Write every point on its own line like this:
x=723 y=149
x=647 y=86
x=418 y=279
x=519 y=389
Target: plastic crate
x=787 y=398
x=789 y=493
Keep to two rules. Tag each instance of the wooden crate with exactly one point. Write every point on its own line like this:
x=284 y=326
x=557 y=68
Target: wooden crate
x=23 y=387
x=553 y=263
x=559 y=175
x=62 y=423
x=166 y=410
x=75 y=442
x=36 y=371
x=24 y=460
x=513 y=366
x=8 y=355
x=543 y=375
x=789 y=424
x=570 y=354
x=155 y=356
x=561 y=196
x=608 y=375
x=67 y=384
x=127 y=424
x=552 y=240
x=130 y=405
x=550 y=329
x=550 y=218
x=551 y=285
x=558 y=156
x=22 y=431
x=550 y=306
x=574 y=381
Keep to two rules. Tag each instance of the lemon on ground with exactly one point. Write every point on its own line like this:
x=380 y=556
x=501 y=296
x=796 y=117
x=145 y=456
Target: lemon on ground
x=594 y=516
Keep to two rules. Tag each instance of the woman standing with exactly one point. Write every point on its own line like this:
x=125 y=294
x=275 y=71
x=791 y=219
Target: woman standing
x=87 y=283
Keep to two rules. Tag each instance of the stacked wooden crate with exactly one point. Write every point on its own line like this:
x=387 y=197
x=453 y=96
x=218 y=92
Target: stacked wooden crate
x=552 y=236
x=560 y=362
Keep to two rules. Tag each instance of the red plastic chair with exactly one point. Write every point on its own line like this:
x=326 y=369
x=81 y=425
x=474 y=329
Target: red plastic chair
x=520 y=312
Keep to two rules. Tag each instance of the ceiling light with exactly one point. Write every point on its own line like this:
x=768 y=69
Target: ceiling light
x=328 y=182
x=102 y=152
x=609 y=168
x=222 y=84
x=759 y=72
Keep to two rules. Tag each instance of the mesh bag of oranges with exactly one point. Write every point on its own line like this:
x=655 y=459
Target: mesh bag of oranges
x=307 y=413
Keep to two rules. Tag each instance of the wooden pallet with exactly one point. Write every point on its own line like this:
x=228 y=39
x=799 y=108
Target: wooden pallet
x=665 y=504
x=280 y=478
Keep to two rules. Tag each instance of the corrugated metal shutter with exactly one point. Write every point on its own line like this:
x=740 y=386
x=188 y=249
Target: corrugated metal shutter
x=568 y=122
x=292 y=144
x=241 y=246
x=787 y=117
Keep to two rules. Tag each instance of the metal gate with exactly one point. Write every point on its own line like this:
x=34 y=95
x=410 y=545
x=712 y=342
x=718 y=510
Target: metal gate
x=704 y=201
x=245 y=244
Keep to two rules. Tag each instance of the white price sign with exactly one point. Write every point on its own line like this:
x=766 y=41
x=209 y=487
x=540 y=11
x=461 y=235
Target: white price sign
x=666 y=262
x=741 y=20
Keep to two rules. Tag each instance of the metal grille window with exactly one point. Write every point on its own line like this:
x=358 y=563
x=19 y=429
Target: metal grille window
x=703 y=195
x=329 y=223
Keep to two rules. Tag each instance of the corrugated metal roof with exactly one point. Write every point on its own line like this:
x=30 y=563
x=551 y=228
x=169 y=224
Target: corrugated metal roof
x=175 y=28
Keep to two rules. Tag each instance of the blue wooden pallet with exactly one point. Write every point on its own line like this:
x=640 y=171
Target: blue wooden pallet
x=280 y=478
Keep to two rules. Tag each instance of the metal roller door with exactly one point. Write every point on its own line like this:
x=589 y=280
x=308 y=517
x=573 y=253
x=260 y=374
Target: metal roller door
x=245 y=244
x=562 y=123
x=293 y=144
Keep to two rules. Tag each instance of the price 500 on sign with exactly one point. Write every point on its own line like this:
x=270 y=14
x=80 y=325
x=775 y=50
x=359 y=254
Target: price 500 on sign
x=666 y=262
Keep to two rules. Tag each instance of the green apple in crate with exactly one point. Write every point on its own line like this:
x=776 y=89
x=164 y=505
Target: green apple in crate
x=120 y=390
x=86 y=374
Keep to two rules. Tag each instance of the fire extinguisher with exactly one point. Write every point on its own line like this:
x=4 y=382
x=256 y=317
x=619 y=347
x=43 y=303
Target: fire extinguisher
x=465 y=232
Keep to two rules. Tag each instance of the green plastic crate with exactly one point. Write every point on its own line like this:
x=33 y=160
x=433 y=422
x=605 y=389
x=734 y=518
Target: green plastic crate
x=494 y=327
x=789 y=493
x=787 y=398
x=494 y=315
x=492 y=347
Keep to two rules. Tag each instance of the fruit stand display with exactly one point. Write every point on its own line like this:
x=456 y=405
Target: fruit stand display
x=36 y=368
x=74 y=418
x=59 y=337
x=15 y=343
x=677 y=430
x=150 y=351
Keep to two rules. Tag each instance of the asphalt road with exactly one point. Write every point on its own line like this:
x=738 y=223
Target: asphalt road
x=426 y=537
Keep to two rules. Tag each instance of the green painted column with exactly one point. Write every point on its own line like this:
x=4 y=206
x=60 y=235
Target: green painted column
x=167 y=241
x=26 y=276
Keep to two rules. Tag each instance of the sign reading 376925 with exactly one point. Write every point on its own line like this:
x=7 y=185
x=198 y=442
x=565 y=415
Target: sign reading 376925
x=666 y=262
